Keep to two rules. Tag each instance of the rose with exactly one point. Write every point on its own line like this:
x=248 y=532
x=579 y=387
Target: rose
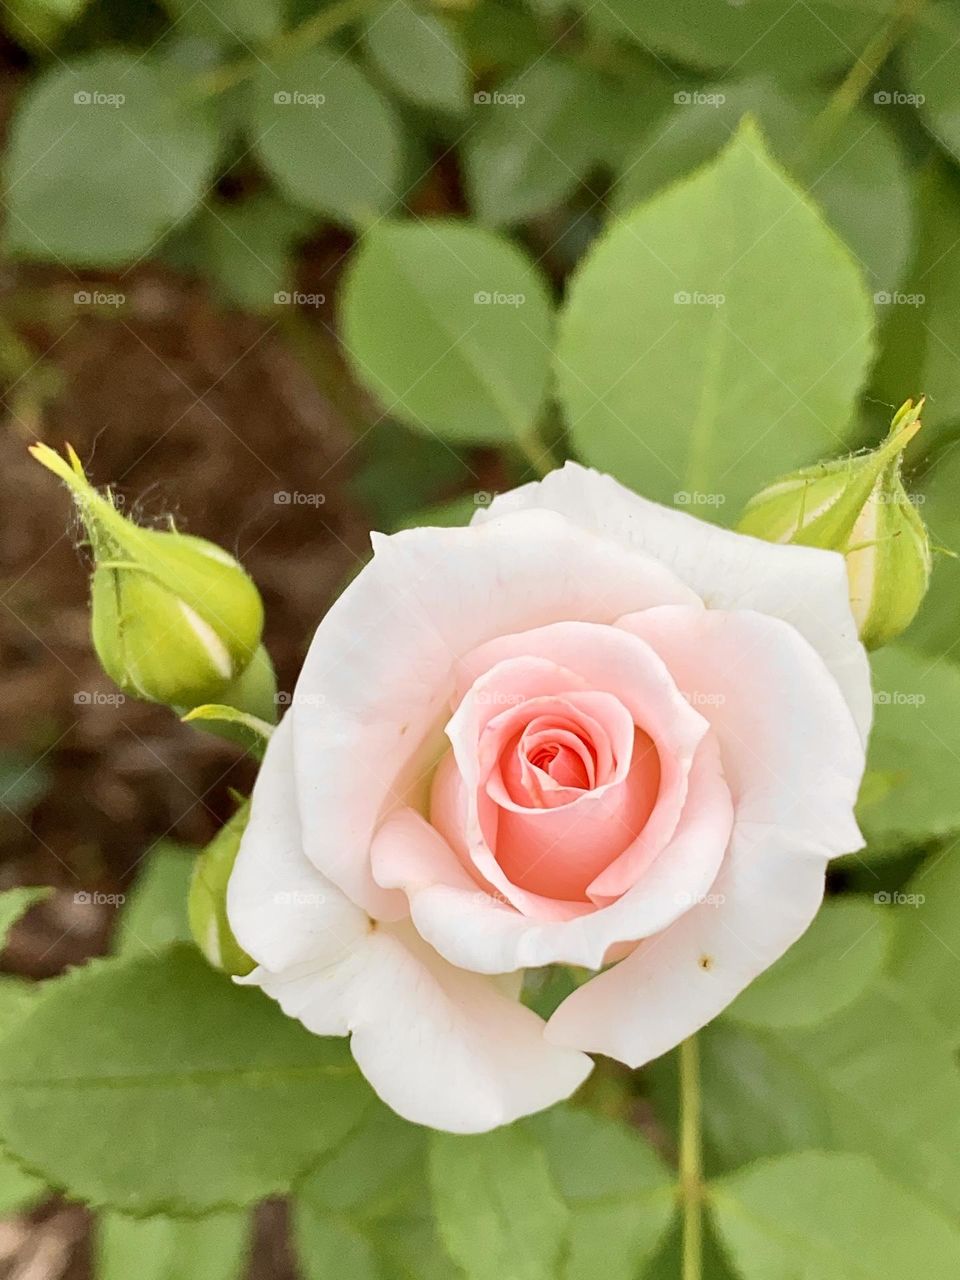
x=586 y=729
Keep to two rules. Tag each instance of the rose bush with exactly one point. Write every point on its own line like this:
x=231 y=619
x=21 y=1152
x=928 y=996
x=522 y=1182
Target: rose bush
x=586 y=730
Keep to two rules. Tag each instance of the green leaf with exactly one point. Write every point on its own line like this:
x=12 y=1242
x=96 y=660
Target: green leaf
x=919 y=335
x=15 y=903
x=794 y=42
x=620 y=1194
x=250 y=730
x=915 y=747
x=23 y=782
x=400 y=471
x=830 y=1217
x=247 y=249
x=19 y=1190
x=365 y=1212
x=420 y=55
x=326 y=135
x=450 y=327
x=932 y=74
x=935 y=629
x=445 y=515
x=926 y=956
x=715 y=338
x=498 y=1207
x=499 y=36
x=159 y=1086
x=211 y=1248
x=879 y=1079
x=229 y=21
x=859 y=178
x=833 y=964
x=535 y=138
x=106 y=154
x=155 y=914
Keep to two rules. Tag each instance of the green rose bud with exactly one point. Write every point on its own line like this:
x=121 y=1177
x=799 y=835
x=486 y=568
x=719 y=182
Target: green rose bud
x=207 y=902
x=175 y=619
x=859 y=507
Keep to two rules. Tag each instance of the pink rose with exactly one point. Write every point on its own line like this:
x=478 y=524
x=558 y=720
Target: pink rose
x=585 y=730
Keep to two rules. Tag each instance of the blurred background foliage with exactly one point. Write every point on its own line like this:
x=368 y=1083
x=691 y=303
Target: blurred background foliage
x=291 y=272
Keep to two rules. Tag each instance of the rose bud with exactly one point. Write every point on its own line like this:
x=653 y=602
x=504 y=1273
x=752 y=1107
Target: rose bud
x=859 y=507
x=206 y=905
x=175 y=619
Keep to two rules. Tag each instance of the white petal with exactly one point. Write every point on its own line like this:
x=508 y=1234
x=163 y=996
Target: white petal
x=673 y=984
x=474 y=930
x=791 y=753
x=281 y=909
x=804 y=586
x=377 y=680
x=440 y=1046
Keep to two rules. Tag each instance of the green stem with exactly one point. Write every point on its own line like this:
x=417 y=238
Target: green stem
x=858 y=78
x=313 y=31
x=691 y=1160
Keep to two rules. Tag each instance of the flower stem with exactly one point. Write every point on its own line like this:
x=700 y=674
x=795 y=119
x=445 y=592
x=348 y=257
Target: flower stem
x=866 y=66
x=313 y=31
x=691 y=1160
